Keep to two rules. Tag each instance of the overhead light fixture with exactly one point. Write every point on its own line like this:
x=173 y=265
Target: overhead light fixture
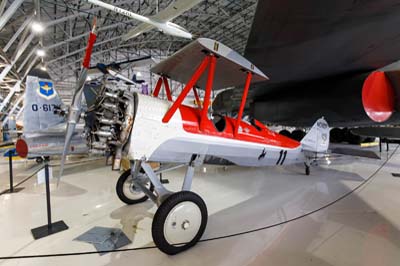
x=138 y=74
x=40 y=52
x=37 y=27
x=88 y=78
x=43 y=68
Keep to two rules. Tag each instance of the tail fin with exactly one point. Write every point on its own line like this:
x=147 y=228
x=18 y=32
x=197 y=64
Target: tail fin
x=317 y=139
x=39 y=103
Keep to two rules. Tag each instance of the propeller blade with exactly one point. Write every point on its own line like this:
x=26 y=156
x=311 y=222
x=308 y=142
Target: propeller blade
x=68 y=136
x=76 y=105
x=73 y=117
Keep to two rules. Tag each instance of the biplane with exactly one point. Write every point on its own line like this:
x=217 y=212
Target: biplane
x=148 y=129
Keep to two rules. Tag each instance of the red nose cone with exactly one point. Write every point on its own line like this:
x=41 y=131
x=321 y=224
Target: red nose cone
x=378 y=97
x=22 y=148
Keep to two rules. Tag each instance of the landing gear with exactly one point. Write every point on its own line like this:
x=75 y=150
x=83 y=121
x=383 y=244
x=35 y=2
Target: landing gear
x=181 y=217
x=307 y=167
x=130 y=193
x=179 y=222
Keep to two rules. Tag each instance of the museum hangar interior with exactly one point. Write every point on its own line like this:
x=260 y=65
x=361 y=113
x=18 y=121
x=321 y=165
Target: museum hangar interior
x=273 y=132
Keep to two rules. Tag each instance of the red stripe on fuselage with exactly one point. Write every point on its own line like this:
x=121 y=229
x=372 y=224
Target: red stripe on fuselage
x=191 y=121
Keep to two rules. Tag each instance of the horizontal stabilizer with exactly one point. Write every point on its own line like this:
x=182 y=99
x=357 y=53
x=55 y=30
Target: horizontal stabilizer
x=356 y=152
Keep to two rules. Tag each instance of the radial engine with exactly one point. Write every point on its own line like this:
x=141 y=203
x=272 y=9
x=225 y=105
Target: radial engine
x=109 y=122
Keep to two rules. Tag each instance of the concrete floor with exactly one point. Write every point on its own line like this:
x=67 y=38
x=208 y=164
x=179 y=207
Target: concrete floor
x=257 y=216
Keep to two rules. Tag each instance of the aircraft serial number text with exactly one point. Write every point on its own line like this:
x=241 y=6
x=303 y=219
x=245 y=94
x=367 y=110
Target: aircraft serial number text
x=44 y=107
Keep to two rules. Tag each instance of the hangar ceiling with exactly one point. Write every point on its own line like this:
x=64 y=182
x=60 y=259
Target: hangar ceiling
x=67 y=24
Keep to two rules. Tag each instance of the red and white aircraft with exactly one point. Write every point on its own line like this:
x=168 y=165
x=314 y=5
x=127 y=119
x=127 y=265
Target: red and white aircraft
x=168 y=132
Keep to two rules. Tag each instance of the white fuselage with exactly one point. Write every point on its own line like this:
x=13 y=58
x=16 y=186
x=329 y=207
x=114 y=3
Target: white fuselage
x=169 y=142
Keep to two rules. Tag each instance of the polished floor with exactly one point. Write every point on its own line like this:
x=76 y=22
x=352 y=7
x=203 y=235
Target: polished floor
x=344 y=213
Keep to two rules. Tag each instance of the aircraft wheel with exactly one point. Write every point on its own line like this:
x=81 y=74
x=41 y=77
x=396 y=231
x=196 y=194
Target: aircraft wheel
x=128 y=192
x=39 y=160
x=285 y=133
x=179 y=222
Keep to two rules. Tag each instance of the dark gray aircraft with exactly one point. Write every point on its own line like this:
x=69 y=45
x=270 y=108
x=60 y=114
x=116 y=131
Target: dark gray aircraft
x=335 y=59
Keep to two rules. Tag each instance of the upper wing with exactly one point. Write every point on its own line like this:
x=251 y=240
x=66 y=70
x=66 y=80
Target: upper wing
x=229 y=72
x=142 y=28
x=175 y=9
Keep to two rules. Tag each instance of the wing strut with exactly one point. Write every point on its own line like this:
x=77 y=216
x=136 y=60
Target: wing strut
x=243 y=102
x=207 y=95
x=157 y=89
x=196 y=96
x=178 y=102
x=210 y=61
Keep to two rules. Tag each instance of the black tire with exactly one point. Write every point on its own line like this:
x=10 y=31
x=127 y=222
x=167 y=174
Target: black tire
x=120 y=190
x=161 y=215
x=285 y=133
x=39 y=160
x=298 y=134
x=354 y=139
x=337 y=135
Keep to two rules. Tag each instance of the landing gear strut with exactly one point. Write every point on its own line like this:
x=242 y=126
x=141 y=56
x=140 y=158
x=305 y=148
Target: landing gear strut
x=130 y=193
x=307 y=169
x=181 y=217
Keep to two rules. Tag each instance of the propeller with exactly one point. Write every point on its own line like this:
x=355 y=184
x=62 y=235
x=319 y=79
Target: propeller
x=76 y=105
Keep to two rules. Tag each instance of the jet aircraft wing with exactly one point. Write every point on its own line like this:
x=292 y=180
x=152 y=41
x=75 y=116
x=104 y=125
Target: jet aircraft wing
x=230 y=70
x=318 y=55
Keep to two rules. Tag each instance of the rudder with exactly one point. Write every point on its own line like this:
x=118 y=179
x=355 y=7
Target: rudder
x=317 y=139
x=40 y=100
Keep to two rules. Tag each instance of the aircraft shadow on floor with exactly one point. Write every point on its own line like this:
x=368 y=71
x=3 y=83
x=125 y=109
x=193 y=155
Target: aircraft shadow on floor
x=278 y=196
x=279 y=199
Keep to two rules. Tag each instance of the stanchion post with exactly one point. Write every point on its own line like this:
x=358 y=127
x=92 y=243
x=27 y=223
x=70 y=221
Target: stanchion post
x=10 y=164
x=46 y=176
x=50 y=228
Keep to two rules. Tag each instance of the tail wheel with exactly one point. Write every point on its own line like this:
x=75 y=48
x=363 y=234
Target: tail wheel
x=307 y=169
x=179 y=222
x=128 y=192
